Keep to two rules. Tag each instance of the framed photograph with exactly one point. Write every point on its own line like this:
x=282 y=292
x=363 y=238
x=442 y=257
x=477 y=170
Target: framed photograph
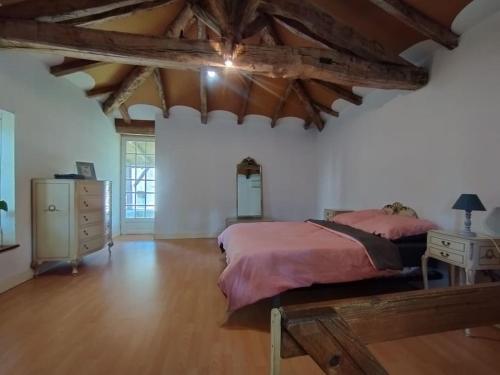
x=86 y=169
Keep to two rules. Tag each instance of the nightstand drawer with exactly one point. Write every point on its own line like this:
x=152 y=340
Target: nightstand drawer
x=488 y=255
x=447 y=256
x=446 y=243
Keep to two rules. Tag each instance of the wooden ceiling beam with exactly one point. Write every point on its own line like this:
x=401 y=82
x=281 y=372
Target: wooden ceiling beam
x=202 y=35
x=205 y=17
x=279 y=61
x=140 y=74
x=419 y=22
x=62 y=10
x=116 y=13
x=271 y=37
x=301 y=31
x=160 y=88
x=341 y=92
x=311 y=110
x=326 y=28
x=74 y=66
x=323 y=108
x=255 y=26
x=247 y=14
x=135 y=127
x=247 y=87
x=129 y=85
x=281 y=104
x=101 y=90
x=125 y=115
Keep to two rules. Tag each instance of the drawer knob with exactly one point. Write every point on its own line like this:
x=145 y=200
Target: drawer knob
x=85 y=189
x=85 y=232
x=85 y=218
x=445 y=255
x=85 y=203
x=446 y=243
x=86 y=247
x=489 y=254
x=51 y=208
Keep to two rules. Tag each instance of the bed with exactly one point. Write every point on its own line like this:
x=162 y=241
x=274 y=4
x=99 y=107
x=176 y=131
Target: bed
x=266 y=259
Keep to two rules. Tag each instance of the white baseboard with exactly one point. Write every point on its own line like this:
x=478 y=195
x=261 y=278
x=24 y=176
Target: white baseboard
x=179 y=236
x=15 y=280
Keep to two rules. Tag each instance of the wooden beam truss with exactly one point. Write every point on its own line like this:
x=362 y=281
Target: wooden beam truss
x=335 y=333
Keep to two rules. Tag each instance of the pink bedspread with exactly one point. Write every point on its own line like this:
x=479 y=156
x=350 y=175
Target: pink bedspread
x=265 y=259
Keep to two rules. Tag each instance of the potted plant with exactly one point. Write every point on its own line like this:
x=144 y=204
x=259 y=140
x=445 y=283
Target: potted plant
x=3 y=207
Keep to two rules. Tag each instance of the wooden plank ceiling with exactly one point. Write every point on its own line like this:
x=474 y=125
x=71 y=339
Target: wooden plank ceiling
x=289 y=57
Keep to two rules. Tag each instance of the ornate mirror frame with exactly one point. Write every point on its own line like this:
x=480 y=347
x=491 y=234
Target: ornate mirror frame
x=249 y=166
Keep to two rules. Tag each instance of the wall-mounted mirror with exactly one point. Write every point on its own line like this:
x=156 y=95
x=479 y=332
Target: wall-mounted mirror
x=248 y=189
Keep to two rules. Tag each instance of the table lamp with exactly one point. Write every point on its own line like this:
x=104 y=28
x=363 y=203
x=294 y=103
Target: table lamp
x=468 y=203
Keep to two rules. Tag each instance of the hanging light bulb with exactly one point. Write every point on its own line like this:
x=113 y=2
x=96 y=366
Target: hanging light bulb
x=211 y=74
x=228 y=63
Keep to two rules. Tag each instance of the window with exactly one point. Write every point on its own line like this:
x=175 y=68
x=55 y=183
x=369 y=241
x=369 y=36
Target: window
x=139 y=184
x=7 y=176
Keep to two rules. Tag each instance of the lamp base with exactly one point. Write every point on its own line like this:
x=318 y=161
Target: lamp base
x=466 y=233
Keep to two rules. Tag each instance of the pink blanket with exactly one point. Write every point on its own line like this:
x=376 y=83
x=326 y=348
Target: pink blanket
x=265 y=259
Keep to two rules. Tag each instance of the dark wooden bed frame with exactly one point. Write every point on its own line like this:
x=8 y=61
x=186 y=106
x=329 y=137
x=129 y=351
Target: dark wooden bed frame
x=335 y=333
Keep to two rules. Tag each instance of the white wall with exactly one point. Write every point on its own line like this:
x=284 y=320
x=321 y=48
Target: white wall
x=196 y=167
x=426 y=147
x=55 y=126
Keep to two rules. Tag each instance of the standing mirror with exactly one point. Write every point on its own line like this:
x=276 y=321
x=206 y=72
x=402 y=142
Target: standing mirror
x=249 y=189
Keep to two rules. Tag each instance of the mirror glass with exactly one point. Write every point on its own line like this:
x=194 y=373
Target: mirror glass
x=249 y=189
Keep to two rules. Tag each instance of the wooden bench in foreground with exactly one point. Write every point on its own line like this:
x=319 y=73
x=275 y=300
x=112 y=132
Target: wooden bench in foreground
x=335 y=333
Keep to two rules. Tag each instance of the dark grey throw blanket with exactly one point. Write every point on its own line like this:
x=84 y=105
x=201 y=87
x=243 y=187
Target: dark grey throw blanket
x=383 y=253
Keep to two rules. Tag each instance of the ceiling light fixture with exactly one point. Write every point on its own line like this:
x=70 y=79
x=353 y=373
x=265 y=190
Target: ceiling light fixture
x=211 y=74
x=228 y=63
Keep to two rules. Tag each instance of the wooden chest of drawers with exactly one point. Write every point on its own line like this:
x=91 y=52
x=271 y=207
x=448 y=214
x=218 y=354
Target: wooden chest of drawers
x=71 y=218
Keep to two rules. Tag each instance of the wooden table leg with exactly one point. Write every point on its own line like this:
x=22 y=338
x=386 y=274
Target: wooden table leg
x=425 y=260
x=275 y=342
x=451 y=275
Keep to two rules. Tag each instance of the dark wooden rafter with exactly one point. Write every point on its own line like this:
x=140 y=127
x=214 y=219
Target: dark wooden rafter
x=301 y=31
x=247 y=87
x=63 y=10
x=101 y=90
x=73 y=66
x=271 y=37
x=281 y=104
x=311 y=109
x=325 y=28
x=205 y=17
x=116 y=13
x=335 y=333
x=307 y=123
x=135 y=127
x=323 y=108
x=202 y=35
x=341 y=92
x=419 y=22
x=255 y=26
x=160 y=88
x=140 y=74
x=246 y=13
x=279 y=61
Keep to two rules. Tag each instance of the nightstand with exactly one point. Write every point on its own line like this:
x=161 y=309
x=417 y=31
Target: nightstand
x=469 y=253
x=330 y=213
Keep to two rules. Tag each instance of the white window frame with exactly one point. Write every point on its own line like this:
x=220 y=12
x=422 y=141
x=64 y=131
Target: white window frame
x=136 y=225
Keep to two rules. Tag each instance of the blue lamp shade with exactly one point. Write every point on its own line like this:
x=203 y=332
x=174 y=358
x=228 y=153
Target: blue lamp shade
x=469 y=202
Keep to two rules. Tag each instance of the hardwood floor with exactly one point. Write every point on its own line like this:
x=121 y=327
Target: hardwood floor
x=154 y=308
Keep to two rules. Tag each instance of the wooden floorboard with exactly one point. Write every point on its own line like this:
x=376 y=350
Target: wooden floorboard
x=154 y=308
